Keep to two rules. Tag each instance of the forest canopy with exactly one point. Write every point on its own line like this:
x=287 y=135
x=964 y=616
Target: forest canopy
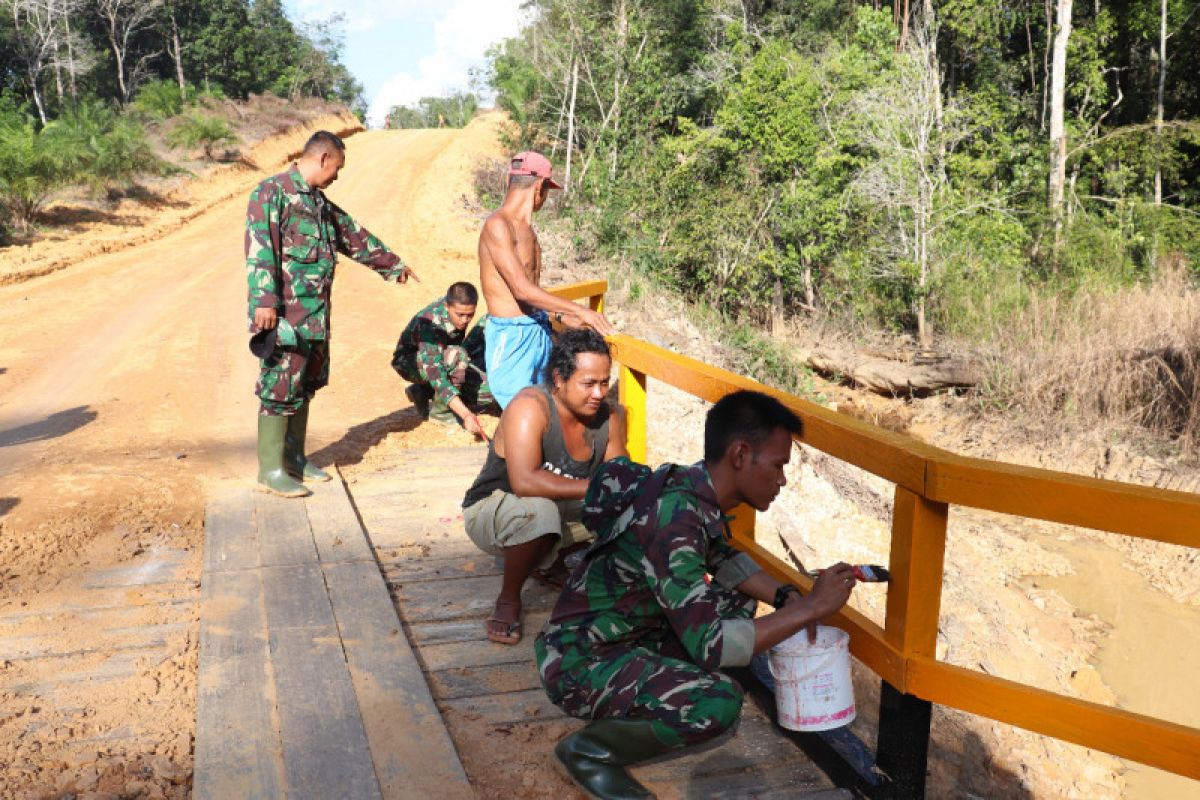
x=916 y=164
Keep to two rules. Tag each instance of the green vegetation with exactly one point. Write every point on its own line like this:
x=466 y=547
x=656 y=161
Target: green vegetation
x=79 y=81
x=197 y=129
x=454 y=111
x=835 y=158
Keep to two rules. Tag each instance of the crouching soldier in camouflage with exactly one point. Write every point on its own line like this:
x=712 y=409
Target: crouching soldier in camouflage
x=637 y=638
x=443 y=362
x=293 y=236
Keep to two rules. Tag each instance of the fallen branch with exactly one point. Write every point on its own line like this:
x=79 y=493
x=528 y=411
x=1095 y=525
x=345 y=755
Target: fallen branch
x=896 y=378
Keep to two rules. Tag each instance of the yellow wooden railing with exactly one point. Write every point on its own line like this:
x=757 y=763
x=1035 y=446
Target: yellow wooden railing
x=928 y=480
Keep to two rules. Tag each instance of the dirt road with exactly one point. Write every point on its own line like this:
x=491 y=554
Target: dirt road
x=126 y=392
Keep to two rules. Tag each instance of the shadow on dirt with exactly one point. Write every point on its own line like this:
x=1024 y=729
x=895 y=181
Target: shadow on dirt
x=57 y=424
x=361 y=438
x=7 y=504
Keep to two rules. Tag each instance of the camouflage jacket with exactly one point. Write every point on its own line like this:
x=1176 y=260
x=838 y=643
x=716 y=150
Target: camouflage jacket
x=293 y=235
x=643 y=580
x=423 y=343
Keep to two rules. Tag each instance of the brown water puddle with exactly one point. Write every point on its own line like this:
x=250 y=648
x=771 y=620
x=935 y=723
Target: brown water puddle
x=1149 y=657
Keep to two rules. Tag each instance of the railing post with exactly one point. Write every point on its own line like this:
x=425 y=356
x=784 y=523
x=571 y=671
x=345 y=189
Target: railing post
x=913 y=606
x=631 y=393
x=596 y=303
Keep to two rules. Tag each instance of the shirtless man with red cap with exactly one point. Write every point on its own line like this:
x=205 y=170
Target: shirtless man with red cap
x=510 y=269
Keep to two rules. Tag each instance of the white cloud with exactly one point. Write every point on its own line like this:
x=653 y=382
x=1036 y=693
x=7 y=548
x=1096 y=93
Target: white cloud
x=462 y=33
x=362 y=14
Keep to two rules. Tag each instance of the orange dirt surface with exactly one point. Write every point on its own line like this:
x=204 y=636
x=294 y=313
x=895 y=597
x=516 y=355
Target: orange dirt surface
x=126 y=393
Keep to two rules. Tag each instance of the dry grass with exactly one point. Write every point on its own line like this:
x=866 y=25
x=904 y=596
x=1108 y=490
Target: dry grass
x=1128 y=357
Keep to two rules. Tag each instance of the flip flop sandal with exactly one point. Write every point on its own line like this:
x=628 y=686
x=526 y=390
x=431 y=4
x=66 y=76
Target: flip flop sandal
x=511 y=634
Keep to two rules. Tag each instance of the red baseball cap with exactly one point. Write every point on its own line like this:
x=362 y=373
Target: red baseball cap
x=535 y=164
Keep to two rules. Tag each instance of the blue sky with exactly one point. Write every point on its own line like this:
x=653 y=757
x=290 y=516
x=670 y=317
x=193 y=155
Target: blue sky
x=403 y=50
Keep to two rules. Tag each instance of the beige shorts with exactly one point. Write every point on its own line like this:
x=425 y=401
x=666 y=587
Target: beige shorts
x=503 y=520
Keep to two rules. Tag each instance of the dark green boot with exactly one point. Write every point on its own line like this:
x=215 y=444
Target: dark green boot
x=272 y=477
x=419 y=395
x=293 y=449
x=595 y=757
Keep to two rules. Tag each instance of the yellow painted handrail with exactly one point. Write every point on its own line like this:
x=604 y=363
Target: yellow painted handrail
x=928 y=480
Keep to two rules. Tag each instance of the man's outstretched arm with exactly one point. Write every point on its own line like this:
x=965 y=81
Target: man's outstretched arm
x=366 y=248
x=498 y=240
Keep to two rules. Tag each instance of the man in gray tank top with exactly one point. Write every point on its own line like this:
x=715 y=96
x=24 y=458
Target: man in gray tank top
x=526 y=501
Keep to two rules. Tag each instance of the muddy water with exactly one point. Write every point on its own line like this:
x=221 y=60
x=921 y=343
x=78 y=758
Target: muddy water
x=1149 y=657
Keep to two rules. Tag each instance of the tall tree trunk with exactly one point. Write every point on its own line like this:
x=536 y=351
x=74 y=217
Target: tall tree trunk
x=70 y=57
x=1158 y=105
x=1058 y=134
x=571 y=123
x=36 y=88
x=622 y=24
x=176 y=50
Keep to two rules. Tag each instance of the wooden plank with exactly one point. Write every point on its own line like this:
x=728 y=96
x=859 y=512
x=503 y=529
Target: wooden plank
x=159 y=565
x=230 y=536
x=237 y=750
x=335 y=527
x=142 y=637
x=448 y=684
x=754 y=782
x=325 y=749
x=405 y=570
x=411 y=749
x=1150 y=741
x=1158 y=514
x=508 y=708
x=424 y=633
x=753 y=745
x=430 y=601
x=284 y=537
x=480 y=651
x=296 y=598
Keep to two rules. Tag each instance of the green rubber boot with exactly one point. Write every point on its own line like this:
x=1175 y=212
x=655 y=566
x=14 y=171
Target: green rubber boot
x=595 y=757
x=294 y=460
x=419 y=395
x=272 y=477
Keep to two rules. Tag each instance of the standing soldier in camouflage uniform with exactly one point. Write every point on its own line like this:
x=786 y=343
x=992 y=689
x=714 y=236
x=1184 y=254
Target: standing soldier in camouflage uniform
x=637 y=637
x=443 y=363
x=293 y=235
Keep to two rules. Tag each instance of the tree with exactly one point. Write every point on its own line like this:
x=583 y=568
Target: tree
x=36 y=34
x=123 y=20
x=1058 y=133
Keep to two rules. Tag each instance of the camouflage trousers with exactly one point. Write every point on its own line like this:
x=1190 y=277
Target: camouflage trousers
x=466 y=376
x=655 y=681
x=291 y=376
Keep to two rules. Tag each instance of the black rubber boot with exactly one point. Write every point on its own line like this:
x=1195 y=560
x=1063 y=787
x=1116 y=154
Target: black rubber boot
x=419 y=395
x=272 y=477
x=294 y=459
x=595 y=757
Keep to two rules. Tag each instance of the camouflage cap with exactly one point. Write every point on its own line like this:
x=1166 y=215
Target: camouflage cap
x=263 y=343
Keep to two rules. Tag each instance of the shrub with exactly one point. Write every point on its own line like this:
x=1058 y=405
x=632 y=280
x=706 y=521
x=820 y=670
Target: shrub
x=160 y=100
x=201 y=130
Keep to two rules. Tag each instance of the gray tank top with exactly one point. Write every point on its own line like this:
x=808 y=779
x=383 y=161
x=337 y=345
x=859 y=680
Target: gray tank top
x=555 y=456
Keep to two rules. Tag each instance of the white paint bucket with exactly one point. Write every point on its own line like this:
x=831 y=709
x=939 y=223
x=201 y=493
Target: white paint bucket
x=813 y=691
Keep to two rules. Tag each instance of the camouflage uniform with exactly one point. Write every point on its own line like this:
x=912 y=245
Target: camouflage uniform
x=431 y=351
x=638 y=631
x=293 y=235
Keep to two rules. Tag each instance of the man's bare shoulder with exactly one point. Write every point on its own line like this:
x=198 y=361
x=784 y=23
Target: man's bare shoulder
x=499 y=224
x=530 y=403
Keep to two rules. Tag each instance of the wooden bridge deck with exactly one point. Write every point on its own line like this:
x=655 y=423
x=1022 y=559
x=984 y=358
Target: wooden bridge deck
x=338 y=662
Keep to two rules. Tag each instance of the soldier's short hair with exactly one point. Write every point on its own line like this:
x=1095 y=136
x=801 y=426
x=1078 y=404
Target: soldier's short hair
x=566 y=350
x=746 y=415
x=462 y=294
x=324 y=142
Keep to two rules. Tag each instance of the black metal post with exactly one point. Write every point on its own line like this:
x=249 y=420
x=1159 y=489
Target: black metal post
x=902 y=749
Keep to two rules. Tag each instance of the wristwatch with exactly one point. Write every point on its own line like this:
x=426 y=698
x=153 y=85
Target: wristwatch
x=781 y=594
